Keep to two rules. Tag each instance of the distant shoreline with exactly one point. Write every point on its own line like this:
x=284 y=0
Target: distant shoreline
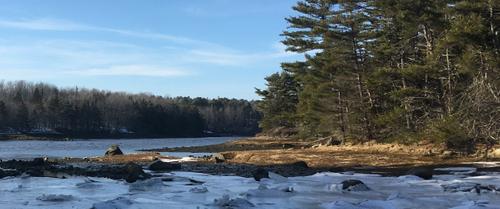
x=28 y=137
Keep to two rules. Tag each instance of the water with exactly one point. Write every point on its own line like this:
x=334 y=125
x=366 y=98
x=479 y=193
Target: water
x=97 y=147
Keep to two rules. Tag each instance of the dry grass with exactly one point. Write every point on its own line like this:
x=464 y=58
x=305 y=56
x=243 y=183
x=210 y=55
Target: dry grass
x=368 y=154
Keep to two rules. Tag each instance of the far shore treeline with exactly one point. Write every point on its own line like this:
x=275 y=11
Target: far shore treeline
x=389 y=70
x=43 y=109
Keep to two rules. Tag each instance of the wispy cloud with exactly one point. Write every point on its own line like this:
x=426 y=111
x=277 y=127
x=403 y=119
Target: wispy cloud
x=173 y=56
x=48 y=24
x=43 y=24
x=132 y=70
x=59 y=58
x=237 y=58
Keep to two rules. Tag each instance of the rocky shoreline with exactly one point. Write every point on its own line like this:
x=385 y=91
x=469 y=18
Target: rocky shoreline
x=245 y=158
x=141 y=170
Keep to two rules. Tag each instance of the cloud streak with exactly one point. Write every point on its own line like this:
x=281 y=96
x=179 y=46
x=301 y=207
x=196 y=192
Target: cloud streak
x=48 y=24
x=132 y=70
x=63 y=57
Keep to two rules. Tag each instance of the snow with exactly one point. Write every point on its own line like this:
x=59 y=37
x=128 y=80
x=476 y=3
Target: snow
x=196 y=190
x=183 y=159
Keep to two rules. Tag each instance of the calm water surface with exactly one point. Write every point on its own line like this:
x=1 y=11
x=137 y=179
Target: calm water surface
x=97 y=147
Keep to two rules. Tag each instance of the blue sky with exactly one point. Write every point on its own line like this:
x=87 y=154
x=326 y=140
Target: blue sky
x=206 y=48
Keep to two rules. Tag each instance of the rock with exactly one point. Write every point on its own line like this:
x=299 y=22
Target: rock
x=135 y=172
x=333 y=142
x=38 y=161
x=113 y=150
x=260 y=173
x=8 y=172
x=288 y=146
x=130 y=172
x=300 y=164
x=218 y=158
x=159 y=165
x=469 y=187
x=55 y=198
x=425 y=173
x=226 y=202
x=198 y=190
x=354 y=185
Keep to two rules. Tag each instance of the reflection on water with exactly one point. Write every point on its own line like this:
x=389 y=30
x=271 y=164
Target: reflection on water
x=97 y=147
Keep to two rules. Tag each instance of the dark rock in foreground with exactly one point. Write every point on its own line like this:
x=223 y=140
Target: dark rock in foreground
x=55 y=198
x=260 y=173
x=130 y=172
x=300 y=164
x=113 y=150
x=9 y=172
x=354 y=185
x=469 y=187
x=425 y=173
x=159 y=165
x=226 y=202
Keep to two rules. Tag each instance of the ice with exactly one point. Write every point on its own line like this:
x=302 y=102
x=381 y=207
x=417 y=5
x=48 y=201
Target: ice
x=118 y=203
x=264 y=191
x=183 y=159
x=458 y=170
x=148 y=185
x=196 y=190
x=487 y=164
x=276 y=177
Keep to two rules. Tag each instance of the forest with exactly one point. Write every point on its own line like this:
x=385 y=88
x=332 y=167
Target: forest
x=389 y=70
x=43 y=109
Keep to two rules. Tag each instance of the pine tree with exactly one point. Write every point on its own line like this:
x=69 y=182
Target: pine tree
x=4 y=117
x=397 y=69
x=279 y=101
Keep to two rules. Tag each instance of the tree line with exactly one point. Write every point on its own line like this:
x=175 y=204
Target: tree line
x=39 y=108
x=389 y=70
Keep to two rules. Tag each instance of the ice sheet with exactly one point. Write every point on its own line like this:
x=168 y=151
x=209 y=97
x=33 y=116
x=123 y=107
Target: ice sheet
x=175 y=190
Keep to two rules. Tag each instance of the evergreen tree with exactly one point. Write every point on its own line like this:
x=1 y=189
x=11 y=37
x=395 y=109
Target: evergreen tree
x=3 y=115
x=395 y=69
x=279 y=101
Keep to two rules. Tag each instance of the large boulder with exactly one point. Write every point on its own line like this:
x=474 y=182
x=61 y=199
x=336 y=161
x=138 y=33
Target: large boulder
x=113 y=150
x=425 y=173
x=354 y=185
x=159 y=165
x=135 y=172
x=218 y=158
x=260 y=173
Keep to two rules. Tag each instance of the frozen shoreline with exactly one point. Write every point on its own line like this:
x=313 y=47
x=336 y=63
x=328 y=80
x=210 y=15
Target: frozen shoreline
x=196 y=190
